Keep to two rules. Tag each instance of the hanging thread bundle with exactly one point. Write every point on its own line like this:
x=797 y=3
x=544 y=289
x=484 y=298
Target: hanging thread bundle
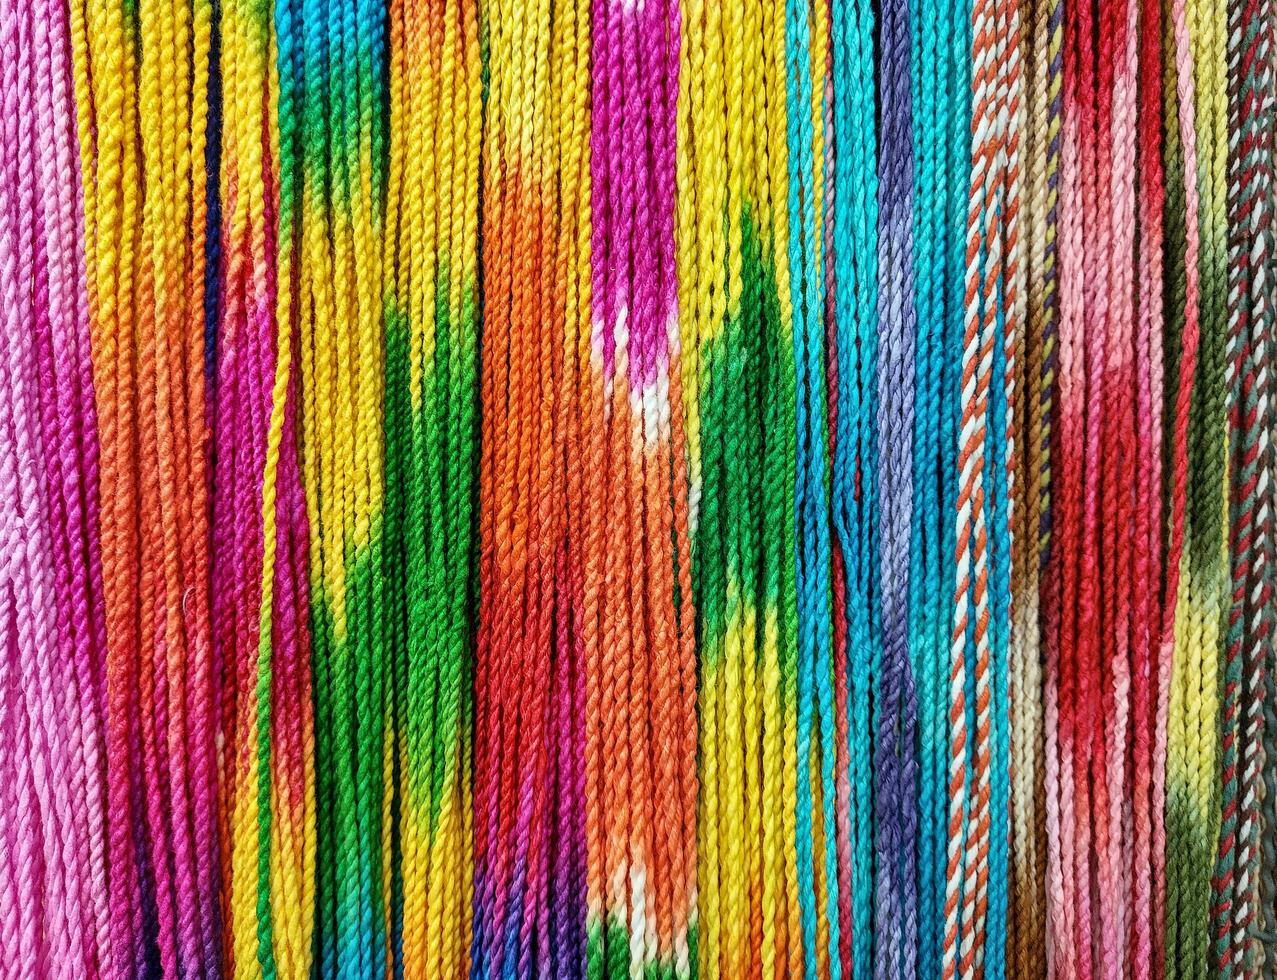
x=547 y=488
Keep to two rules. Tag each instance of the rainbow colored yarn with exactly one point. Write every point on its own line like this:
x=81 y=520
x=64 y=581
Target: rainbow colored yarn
x=659 y=489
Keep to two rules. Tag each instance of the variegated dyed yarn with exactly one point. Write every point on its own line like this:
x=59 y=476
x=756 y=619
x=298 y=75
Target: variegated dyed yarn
x=548 y=488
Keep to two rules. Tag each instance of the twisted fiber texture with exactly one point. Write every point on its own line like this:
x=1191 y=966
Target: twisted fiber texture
x=1035 y=357
x=1088 y=50
x=1193 y=813
x=1234 y=889
x=936 y=66
x=57 y=349
x=974 y=937
x=429 y=297
x=895 y=769
x=1106 y=134
x=1264 y=558
x=1148 y=668
x=1183 y=207
x=738 y=339
x=537 y=488
x=855 y=386
x=48 y=836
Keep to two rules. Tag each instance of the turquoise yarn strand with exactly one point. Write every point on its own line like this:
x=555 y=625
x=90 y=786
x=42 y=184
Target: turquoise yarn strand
x=811 y=496
x=933 y=484
x=855 y=459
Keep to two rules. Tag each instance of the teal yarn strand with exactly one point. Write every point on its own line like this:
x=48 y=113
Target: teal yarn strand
x=855 y=463
x=811 y=485
x=934 y=486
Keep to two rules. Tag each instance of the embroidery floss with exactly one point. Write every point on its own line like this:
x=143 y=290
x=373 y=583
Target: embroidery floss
x=546 y=488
